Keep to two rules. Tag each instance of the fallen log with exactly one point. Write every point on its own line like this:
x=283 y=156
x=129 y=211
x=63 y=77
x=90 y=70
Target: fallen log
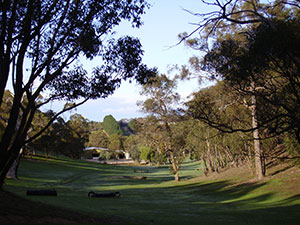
x=92 y=194
x=43 y=192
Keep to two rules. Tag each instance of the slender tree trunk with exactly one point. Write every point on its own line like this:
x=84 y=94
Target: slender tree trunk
x=257 y=144
x=249 y=159
x=10 y=159
x=210 y=165
x=13 y=170
x=204 y=166
x=174 y=166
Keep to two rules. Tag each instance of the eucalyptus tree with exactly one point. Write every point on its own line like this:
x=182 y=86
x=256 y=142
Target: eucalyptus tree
x=161 y=103
x=115 y=142
x=131 y=146
x=265 y=67
x=249 y=44
x=98 y=138
x=41 y=44
x=220 y=117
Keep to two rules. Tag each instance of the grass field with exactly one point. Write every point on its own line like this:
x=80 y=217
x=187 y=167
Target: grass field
x=228 y=198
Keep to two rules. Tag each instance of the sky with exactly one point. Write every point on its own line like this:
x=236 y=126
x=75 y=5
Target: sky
x=162 y=24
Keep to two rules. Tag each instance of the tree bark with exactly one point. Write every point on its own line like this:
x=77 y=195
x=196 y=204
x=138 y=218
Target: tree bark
x=174 y=166
x=210 y=164
x=204 y=166
x=257 y=144
x=13 y=170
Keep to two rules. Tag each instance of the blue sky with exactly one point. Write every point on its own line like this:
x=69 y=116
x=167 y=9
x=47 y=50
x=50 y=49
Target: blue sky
x=162 y=24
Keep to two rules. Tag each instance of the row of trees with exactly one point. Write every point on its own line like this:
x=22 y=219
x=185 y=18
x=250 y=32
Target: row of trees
x=69 y=138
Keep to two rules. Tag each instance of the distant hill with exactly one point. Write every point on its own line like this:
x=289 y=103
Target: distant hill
x=110 y=125
x=125 y=127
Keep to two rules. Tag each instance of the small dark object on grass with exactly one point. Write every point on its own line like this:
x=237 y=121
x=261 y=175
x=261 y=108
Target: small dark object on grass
x=45 y=192
x=92 y=194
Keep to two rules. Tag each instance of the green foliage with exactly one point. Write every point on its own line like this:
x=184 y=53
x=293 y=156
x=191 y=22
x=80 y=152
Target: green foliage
x=115 y=142
x=263 y=65
x=145 y=152
x=293 y=147
x=105 y=155
x=67 y=138
x=111 y=126
x=94 y=126
x=5 y=109
x=97 y=138
x=131 y=146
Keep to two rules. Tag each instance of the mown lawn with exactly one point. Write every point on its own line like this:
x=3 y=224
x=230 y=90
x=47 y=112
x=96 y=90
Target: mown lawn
x=231 y=198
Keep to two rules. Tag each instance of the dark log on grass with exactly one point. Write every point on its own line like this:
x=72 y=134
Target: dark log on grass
x=44 y=192
x=92 y=194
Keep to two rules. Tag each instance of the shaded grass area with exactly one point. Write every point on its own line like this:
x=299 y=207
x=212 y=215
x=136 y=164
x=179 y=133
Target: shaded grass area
x=233 y=198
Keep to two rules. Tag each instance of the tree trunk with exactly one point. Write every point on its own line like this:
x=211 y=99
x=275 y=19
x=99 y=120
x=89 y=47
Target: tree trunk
x=249 y=159
x=174 y=166
x=210 y=164
x=204 y=166
x=10 y=158
x=257 y=144
x=13 y=170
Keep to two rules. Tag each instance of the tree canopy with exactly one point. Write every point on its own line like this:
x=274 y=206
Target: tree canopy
x=111 y=126
x=42 y=43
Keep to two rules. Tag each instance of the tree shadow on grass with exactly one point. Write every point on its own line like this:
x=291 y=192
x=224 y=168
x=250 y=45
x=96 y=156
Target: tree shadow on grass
x=218 y=203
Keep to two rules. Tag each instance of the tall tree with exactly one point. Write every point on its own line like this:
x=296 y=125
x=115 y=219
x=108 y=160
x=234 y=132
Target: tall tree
x=161 y=104
x=223 y=108
x=131 y=146
x=111 y=126
x=253 y=52
x=41 y=43
x=98 y=138
x=78 y=133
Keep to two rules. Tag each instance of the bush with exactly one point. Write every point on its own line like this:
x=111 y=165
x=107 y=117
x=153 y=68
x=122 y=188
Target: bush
x=145 y=152
x=105 y=155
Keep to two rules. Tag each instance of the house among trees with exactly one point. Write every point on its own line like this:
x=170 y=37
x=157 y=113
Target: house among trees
x=100 y=153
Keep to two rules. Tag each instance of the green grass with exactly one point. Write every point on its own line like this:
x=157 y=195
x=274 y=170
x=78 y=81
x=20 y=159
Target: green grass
x=223 y=200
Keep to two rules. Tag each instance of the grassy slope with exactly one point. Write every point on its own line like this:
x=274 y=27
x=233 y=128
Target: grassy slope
x=229 y=198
